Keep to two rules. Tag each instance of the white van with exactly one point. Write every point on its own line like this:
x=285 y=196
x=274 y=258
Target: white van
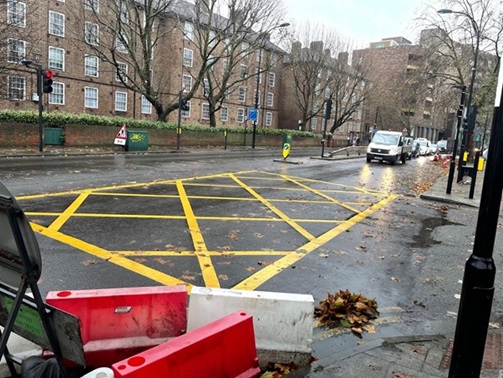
x=388 y=146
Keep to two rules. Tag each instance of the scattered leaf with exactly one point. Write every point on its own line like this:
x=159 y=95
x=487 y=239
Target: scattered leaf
x=323 y=255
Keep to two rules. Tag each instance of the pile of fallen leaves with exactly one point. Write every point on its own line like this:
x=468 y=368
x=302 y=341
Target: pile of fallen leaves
x=275 y=370
x=348 y=310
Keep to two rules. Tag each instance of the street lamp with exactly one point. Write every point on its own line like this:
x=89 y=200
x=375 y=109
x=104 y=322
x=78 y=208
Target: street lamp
x=38 y=67
x=459 y=128
x=468 y=128
x=254 y=134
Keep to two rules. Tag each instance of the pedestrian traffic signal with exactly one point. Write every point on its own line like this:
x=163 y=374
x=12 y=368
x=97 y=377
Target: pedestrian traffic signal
x=184 y=105
x=47 y=81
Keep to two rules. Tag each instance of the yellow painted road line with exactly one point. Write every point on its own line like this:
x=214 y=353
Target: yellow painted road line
x=69 y=211
x=257 y=279
x=317 y=192
x=209 y=275
x=209 y=253
x=112 y=194
x=277 y=211
x=108 y=256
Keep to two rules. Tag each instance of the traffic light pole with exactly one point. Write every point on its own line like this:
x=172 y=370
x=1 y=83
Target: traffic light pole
x=40 y=108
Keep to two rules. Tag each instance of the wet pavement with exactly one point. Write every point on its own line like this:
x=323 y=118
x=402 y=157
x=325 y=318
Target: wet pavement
x=396 y=351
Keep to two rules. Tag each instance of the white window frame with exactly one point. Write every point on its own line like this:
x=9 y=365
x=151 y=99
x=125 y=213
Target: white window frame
x=268 y=118
x=188 y=30
x=91 y=64
x=119 y=46
x=187 y=83
x=16 y=50
x=206 y=87
x=314 y=123
x=91 y=97
x=56 y=24
x=57 y=96
x=272 y=79
x=57 y=64
x=20 y=83
x=120 y=101
x=121 y=68
x=243 y=71
x=16 y=13
x=186 y=113
x=188 y=57
x=240 y=115
x=92 y=33
x=93 y=5
x=146 y=105
x=205 y=112
x=224 y=113
x=242 y=94
x=270 y=99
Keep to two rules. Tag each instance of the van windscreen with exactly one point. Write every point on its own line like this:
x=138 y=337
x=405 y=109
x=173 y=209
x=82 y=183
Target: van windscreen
x=385 y=139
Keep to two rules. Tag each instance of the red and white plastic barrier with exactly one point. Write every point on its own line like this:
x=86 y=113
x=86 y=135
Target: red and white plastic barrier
x=223 y=348
x=117 y=323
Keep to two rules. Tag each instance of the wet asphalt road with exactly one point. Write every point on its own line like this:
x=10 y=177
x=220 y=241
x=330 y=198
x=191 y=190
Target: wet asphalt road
x=408 y=254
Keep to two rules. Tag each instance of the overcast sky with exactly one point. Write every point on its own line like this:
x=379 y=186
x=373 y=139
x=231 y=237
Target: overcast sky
x=363 y=21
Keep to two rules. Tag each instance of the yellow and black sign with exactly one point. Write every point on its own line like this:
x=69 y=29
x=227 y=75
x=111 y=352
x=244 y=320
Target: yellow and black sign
x=287 y=145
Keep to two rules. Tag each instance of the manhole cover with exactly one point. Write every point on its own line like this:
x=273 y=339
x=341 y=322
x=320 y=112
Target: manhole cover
x=493 y=353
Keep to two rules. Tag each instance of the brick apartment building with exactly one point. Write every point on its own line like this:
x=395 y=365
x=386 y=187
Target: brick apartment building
x=401 y=99
x=62 y=36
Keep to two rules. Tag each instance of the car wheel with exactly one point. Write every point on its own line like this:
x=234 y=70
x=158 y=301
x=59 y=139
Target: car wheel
x=368 y=159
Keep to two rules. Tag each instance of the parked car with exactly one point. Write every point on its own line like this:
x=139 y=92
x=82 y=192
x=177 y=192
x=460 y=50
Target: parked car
x=424 y=146
x=408 y=146
x=442 y=146
x=433 y=149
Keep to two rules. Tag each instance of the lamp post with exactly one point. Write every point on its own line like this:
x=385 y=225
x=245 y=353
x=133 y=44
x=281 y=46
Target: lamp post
x=254 y=133
x=40 y=92
x=455 y=147
x=467 y=127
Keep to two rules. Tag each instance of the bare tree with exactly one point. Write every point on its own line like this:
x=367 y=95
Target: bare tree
x=230 y=41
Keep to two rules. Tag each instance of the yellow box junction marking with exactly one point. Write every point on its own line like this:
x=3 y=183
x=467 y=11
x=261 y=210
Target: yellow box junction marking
x=374 y=200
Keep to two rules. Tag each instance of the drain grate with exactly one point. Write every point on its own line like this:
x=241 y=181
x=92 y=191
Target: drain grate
x=493 y=353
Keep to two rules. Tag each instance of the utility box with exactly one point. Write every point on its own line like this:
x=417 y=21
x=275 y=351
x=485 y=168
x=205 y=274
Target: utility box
x=53 y=135
x=137 y=140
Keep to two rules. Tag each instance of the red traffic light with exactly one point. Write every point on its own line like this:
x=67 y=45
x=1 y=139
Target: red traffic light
x=48 y=74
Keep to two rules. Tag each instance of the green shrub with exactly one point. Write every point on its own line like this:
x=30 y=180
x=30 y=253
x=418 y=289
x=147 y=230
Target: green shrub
x=61 y=119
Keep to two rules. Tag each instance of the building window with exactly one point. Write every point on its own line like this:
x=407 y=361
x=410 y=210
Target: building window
x=91 y=97
x=187 y=83
x=121 y=41
x=206 y=87
x=16 y=50
x=270 y=99
x=91 y=65
x=224 y=113
x=17 y=86
x=272 y=79
x=242 y=94
x=56 y=24
x=91 y=33
x=92 y=5
x=124 y=12
x=314 y=123
x=121 y=72
x=268 y=118
x=259 y=55
x=58 y=94
x=243 y=71
x=186 y=113
x=146 y=106
x=16 y=13
x=189 y=31
x=188 y=57
x=206 y=112
x=240 y=115
x=121 y=101
x=56 y=58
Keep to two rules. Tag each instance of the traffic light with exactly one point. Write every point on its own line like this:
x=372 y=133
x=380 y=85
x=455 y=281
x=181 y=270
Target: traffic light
x=47 y=81
x=328 y=109
x=184 y=105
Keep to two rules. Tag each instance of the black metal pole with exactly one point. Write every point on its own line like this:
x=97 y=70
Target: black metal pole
x=328 y=110
x=452 y=165
x=40 y=109
x=478 y=281
x=179 y=126
x=474 y=174
x=254 y=134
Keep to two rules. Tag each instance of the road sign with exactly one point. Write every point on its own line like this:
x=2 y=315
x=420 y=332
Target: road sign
x=121 y=136
x=252 y=114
